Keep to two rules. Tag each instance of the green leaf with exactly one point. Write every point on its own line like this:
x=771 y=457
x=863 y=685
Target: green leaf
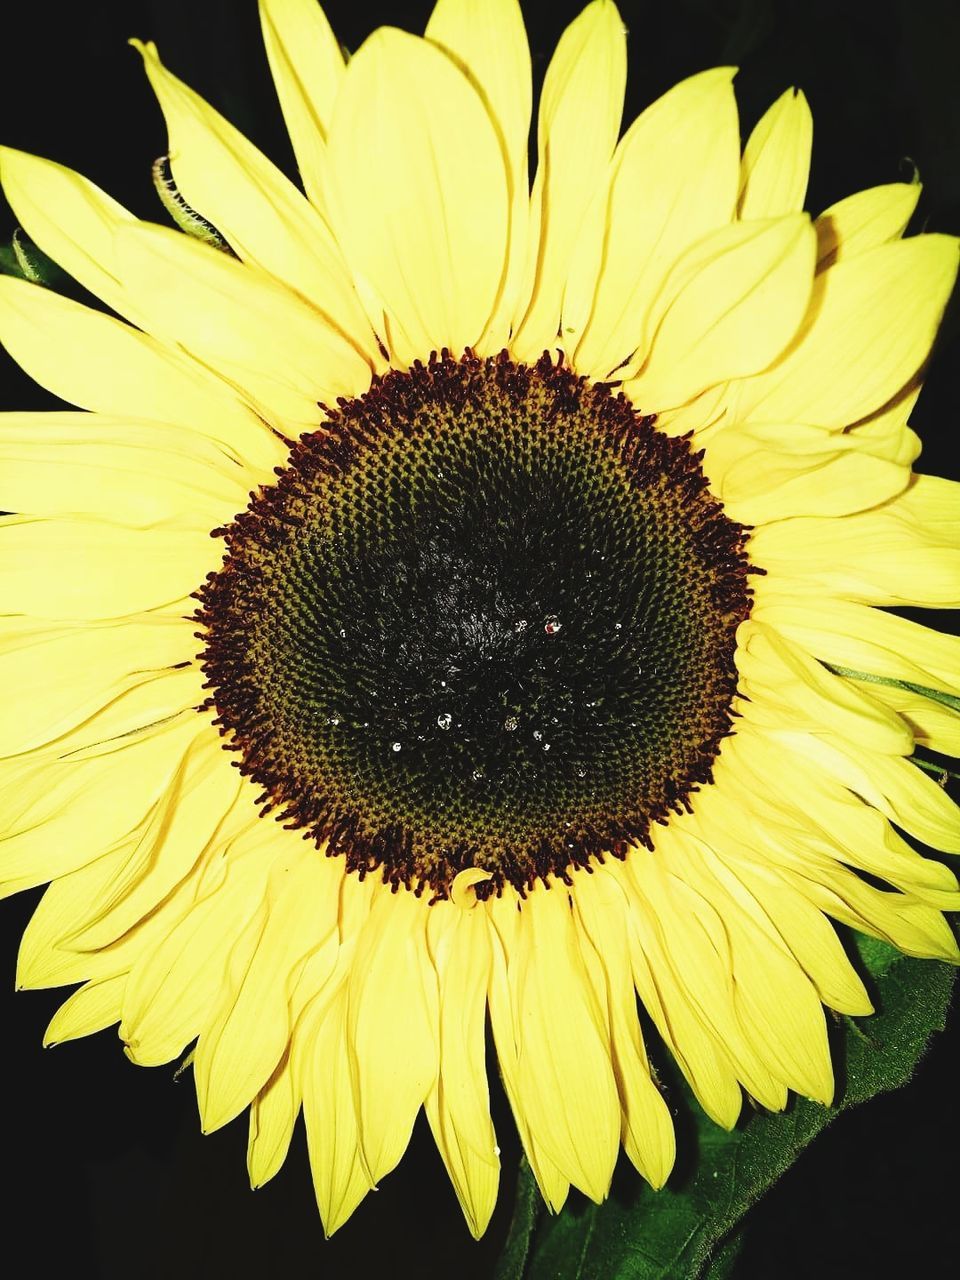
x=527 y=1206
x=688 y=1231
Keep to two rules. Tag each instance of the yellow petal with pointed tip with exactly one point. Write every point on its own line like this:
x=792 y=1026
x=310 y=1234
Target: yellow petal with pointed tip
x=580 y=110
x=94 y=1007
x=673 y=179
x=239 y=1051
x=96 y=362
x=728 y=308
x=458 y=1106
x=246 y=325
x=307 y=66
x=391 y=999
x=864 y=220
x=872 y=321
x=489 y=41
x=423 y=220
x=776 y=159
x=263 y=217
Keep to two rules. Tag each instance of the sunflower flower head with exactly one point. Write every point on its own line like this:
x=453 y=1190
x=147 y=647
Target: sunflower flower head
x=457 y=600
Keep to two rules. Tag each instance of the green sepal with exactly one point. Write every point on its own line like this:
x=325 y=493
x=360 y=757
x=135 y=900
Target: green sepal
x=692 y=1229
x=186 y=218
x=936 y=695
x=22 y=258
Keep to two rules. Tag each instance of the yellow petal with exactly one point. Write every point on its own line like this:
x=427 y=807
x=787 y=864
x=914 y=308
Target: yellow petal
x=698 y=1053
x=264 y=218
x=932 y=724
x=764 y=472
x=72 y=221
x=273 y=1114
x=729 y=307
x=690 y=959
x=248 y=327
x=97 y=362
x=339 y=1179
x=170 y=842
x=776 y=159
x=42 y=797
x=458 y=1106
x=95 y=1006
x=902 y=792
x=488 y=40
x=871 y=556
x=809 y=935
x=864 y=639
x=777 y=1003
x=423 y=219
x=673 y=180
x=565 y=1080
x=580 y=109
x=117 y=470
x=78 y=569
x=57 y=677
x=646 y=1127
x=239 y=1051
x=865 y=220
x=392 y=1025
x=504 y=934
x=783 y=681
x=173 y=987
x=307 y=65
x=872 y=321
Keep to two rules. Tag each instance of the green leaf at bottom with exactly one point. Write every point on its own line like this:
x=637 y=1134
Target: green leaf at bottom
x=674 y=1234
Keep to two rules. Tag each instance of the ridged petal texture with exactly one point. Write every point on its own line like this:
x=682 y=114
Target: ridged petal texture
x=675 y=264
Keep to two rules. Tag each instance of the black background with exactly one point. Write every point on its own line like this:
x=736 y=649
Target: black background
x=105 y=1171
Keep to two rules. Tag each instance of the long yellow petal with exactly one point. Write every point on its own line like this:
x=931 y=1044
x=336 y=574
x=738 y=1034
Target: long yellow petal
x=423 y=220
x=565 y=1078
x=339 y=1179
x=174 y=986
x=580 y=110
x=392 y=1026
x=864 y=220
x=504 y=934
x=307 y=66
x=728 y=309
x=237 y=1054
x=781 y=679
x=254 y=206
x=873 y=557
x=72 y=221
x=57 y=677
x=866 y=639
x=254 y=331
x=118 y=471
x=97 y=362
x=80 y=569
x=872 y=321
x=646 y=1127
x=763 y=472
x=458 y=1106
x=95 y=1006
x=776 y=159
x=488 y=40
x=673 y=180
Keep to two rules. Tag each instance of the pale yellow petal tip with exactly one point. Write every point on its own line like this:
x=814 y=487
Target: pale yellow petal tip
x=463 y=892
x=147 y=49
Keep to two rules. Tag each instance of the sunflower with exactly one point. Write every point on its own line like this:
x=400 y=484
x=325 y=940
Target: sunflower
x=454 y=598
